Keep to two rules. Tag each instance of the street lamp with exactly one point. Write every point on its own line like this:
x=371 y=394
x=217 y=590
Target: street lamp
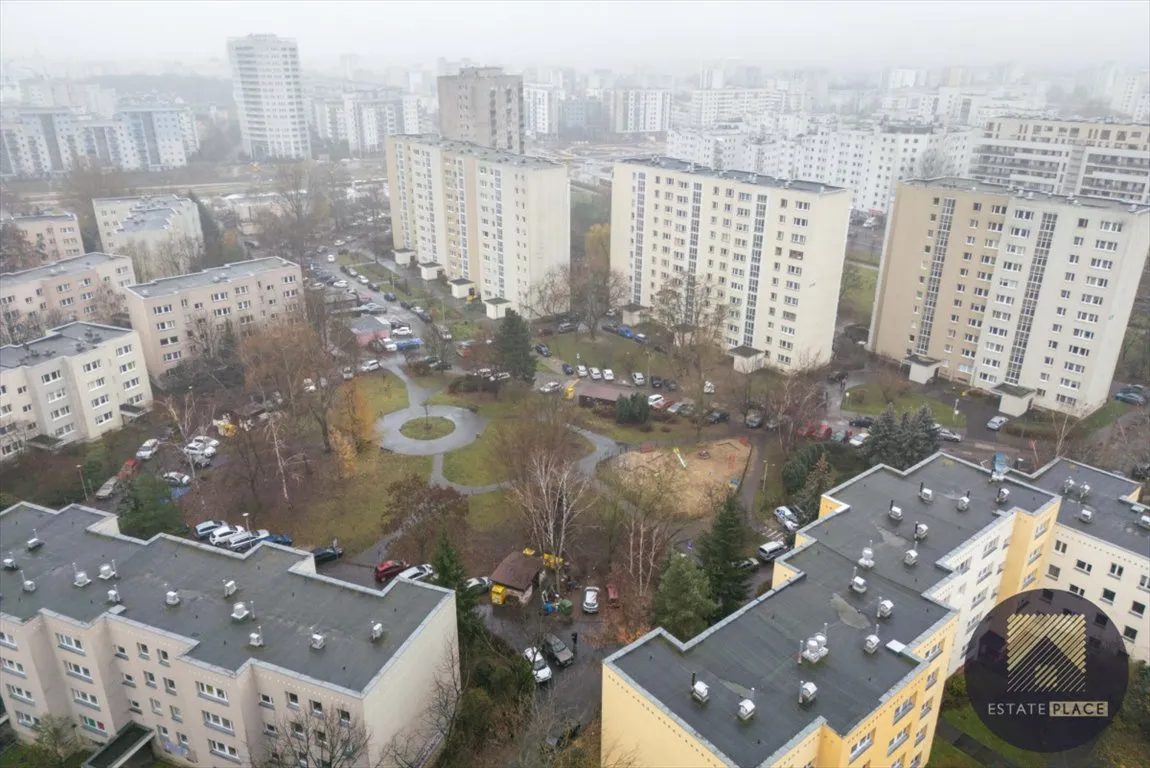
x=246 y=525
x=83 y=482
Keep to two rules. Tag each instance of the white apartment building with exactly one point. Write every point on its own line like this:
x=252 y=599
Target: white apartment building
x=204 y=655
x=269 y=97
x=712 y=106
x=1023 y=294
x=38 y=142
x=638 y=110
x=772 y=249
x=1131 y=96
x=181 y=317
x=55 y=235
x=542 y=105
x=363 y=120
x=495 y=222
x=163 y=135
x=86 y=97
x=76 y=383
x=1065 y=157
x=162 y=233
x=484 y=106
x=67 y=288
x=723 y=149
x=107 y=143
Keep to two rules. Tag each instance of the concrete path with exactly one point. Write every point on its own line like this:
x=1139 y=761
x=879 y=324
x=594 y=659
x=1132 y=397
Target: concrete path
x=468 y=426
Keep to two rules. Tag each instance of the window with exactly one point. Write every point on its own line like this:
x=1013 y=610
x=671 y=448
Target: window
x=69 y=642
x=164 y=658
x=1053 y=571
x=1129 y=633
x=1108 y=596
x=1138 y=609
x=75 y=670
x=157 y=706
x=293 y=700
x=931 y=679
x=7 y=640
x=14 y=667
x=897 y=740
x=170 y=685
x=903 y=708
x=862 y=745
x=1076 y=590
x=28 y=721
x=1082 y=565
x=1116 y=570
x=49 y=377
x=223 y=750
x=18 y=692
x=163 y=309
x=316 y=708
x=212 y=720
x=124 y=350
x=269 y=729
x=211 y=691
x=345 y=716
x=177 y=715
x=92 y=724
x=85 y=698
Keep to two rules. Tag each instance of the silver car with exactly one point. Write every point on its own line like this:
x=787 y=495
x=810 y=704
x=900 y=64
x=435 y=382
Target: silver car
x=591 y=600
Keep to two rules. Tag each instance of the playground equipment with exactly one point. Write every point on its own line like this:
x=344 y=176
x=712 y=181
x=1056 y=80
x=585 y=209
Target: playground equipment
x=679 y=456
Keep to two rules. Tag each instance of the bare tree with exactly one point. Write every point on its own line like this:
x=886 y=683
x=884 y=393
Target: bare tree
x=302 y=205
x=16 y=251
x=108 y=305
x=796 y=398
x=88 y=181
x=414 y=747
x=551 y=295
x=18 y=327
x=330 y=738
x=644 y=505
x=595 y=291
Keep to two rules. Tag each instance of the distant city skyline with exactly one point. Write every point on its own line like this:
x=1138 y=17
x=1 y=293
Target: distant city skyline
x=867 y=34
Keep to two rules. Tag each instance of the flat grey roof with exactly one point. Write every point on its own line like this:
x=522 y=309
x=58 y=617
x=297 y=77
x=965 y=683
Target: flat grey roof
x=145 y=200
x=170 y=286
x=30 y=217
x=63 y=267
x=145 y=220
x=743 y=177
x=482 y=153
x=963 y=184
x=744 y=351
x=1113 y=520
x=72 y=339
x=288 y=606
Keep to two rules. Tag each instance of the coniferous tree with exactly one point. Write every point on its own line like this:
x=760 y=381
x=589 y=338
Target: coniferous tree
x=882 y=445
x=682 y=605
x=449 y=573
x=820 y=480
x=719 y=550
x=513 y=347
x=923 y=437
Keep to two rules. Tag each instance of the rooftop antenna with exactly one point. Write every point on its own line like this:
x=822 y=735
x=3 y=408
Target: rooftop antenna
x=29 y=584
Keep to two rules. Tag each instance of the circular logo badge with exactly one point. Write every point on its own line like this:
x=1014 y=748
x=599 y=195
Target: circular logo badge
x=1046 y=670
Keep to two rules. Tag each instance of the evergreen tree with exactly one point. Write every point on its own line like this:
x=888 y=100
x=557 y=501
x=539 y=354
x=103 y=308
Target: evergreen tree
x=820 y=480
x=449 y=573
x=147 y=509
x=882 y=445
x=213 y=239
x=922 y=438
x=682 y=605
x=797 y=468
x=719 y=549
x=513 y=347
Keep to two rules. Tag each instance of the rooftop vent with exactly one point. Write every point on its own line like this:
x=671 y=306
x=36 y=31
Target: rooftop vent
x=911 y=557
x=1086 y=514
x=858 y=583
x=895 y=513
x=867 y=559
x=885 y=608
x=1002 y=496
x=240 y=611
x=746 y=710
x=80 y=578
x=872 y=642
x=924 y=493
x=230 y=588
x=144 y=292
x=815 y=648
x=1083 y=491
x=318 y=641
x=29 y=585
x=256 y=639
x=998 y=477
x=1139 y=509
x=1067 y=486
x=34 y=543
x=1144 y=521
x=376 y=630
x=113 y=595
x=920 y=531
x=108 y=571
x=172 y=597
x=700 y=692
x=964 y=502
x=807 y=692
x=9 y=562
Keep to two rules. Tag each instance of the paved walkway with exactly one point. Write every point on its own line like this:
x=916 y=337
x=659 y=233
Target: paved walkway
x=468 y=426
x=971 y=746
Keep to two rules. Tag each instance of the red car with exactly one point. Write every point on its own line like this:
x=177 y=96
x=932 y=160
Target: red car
x=130 y=469
x=389 y=569
x=815 y=430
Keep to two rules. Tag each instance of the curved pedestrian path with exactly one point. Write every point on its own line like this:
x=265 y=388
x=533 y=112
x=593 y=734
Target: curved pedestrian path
x=468 y=426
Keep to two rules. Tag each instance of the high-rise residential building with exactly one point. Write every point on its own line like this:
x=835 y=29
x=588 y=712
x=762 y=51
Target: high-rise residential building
x=207 y=657
x=723 y=149
x=164 y=135
x=1021 y=293
x=179 y=318
x=54 y=235
x=1131 y=96
x=638 y=110
x=76 y=383
x=771 y=249
x=38 y=142
x=269 y=97
x=542 y=105
x=772 y=685
x=711 y=106
x=1065 y=157
x=495 y=222
x=483 y=106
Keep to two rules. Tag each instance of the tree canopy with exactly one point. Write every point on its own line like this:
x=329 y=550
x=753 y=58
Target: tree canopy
x=682 y=605
x=902 y=443
x=513 y=347
x=147 y=509
x=719 y=550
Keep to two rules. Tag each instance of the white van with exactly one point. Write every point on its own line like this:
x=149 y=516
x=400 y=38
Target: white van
x=772 y=549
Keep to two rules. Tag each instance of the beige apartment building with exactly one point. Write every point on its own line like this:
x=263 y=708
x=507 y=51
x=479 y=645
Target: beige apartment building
x=204 y=655
x=1024 y=294
x=67 y=288
x=181 y=317
x=495 y=222
x=1065 y=157
x=772 y=250
x=484 y=106
x=162 y=232
x=55 y=235
x=74 y=384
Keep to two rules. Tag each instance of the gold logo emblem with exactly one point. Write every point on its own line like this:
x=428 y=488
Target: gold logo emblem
x=1046 y=653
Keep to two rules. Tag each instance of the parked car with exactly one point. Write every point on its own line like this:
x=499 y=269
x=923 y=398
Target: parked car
x=197 y=460
x=367 y=366
x=479 y=585
x=610 y=327
x=1130 y=396
x=327 y=554
x=543 y=350
x=237 y=541
x=331 y=258
x=708 y=388
x=566 y=327
x=859 y=438
x=866 y=422
x=224 y=532
x=549 y=387
x=539 y=667
x=815 y=430
x=557 y=651
x=608 y=374
x=210 y=442
x=655 y=401
x=339 y=284
x=177 y=479
x=625 y=331
x=771 y=550
x=656 y=382
x=746 y=564
x=753 y=419
x=787 y=518
x=363 y=280
x=148 y=449
x=280 y=538
x=596 y=374
x=389 y=297
x=347 y=373
x=640 y=338
x=718 y=417
x=559 y=737
x=996 y=423
x=401 y=330
x=108 y=488
x=372 y=308
x=568 y=369
x=417 y=573
x=591 y=600
x=949 y=435
x=199 y=449
x=389 y=569
x=204 y=530
x=581 y=370
x=838 y=377
x=638 y=378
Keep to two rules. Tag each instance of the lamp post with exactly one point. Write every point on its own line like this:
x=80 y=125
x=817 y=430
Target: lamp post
x=247 y=526
x=83 y=481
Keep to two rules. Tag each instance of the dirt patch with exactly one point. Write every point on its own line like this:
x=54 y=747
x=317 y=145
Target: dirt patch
x=710 y=469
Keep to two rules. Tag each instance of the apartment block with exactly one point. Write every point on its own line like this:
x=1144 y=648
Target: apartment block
x=150 y=224
x=484 y=106
x=269 y=97
x=1024 y=294
x=163 y=135
x=772 y=250
x=711 y=106
x=638 y=110
x=54 y=235
x=38 y=142
x=180 y=317
x=67 y=288
x=787 y=681
x=1066 y=157
x=542 y=106
x=76 y=383
x=206 y=656
x=724 y=149
x=493 y=221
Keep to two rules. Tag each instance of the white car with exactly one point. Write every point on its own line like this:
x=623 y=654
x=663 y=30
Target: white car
x=638 y=378
x=608 y=374
x=402 y=330
x=787 y=518
x=367 y=366
x=148 y=449
x=211 y=442
x=997 y=423
x=331 y=258
x=308 y=385
x=391 y=346
x=196 y=449
x=596 y=374
x=347 y=373
x=363 y=280
x=339 y=243
x=223 y=532
x=539 y=667
x=177 y=479
x=417 y=573
x=708 y=388
x=351 y=272
x=581 y=370
x=205 y=529
x=549 y=387
x=591 y=600
x=858 y=439
x=340 y=284
x=655 y=401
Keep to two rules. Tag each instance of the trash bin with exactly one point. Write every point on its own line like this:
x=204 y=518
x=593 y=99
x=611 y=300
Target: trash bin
x=565 y=607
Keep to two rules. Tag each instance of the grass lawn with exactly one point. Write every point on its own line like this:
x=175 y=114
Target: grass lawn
x=967 y=721
x=489 y=408
x=488 y=512
x=864 y=256
x=383 y=391
x=429 y=428
x=630 y=433
x=860 y=296
x=434 y=380
x=943 y=754
x=623 y=356
x=461 y=330
x=874 y=405
x=1105 y=416
x=16 y=756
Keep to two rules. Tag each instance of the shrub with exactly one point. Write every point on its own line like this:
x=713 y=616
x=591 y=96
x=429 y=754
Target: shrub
x=858 y=396
x=954 y=692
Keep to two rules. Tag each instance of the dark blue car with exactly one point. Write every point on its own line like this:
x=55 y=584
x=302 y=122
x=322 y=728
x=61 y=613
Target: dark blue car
x=568 y=369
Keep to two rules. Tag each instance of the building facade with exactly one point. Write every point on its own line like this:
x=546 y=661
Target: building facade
x=712 y=106
x=1065 y=157
x=54 y=235
x=179 y=318
x=1024 y=294
x=483 y=106
x=773 y=250
x=723 y=149
x=638 y=110
x=542 y=107
x=497 y=220
x=76 y=383
x=69 y=288
x=164 y=136
x=269 y=97
x=162 y=233
x=212 y=656
x=868 y=692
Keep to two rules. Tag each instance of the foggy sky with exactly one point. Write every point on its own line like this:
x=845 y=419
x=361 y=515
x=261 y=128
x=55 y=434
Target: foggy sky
x=1061 y=34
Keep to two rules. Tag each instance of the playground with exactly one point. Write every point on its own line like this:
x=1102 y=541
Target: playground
x=702 y=473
